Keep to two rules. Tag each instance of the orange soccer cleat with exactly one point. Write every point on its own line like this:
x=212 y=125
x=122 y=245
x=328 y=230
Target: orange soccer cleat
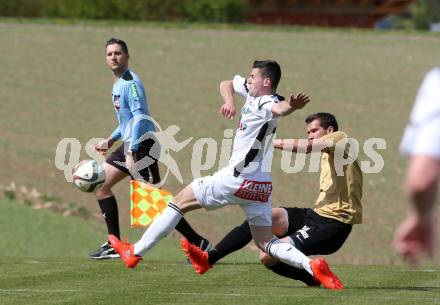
x=125 y=251
x=324 y=275
x=198 y=257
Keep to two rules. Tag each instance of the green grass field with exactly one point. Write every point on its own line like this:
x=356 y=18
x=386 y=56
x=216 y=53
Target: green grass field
x=56 y=85
x=48 y=266
x=80 y=281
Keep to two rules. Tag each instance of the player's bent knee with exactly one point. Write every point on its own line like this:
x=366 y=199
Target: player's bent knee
x=103 y=192
x=280 y=222
x=186 y=200
x=189 y=206
x=261 y=235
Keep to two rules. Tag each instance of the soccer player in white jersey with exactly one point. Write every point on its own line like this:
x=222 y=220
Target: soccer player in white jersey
x=421 y=142
x=246 y=180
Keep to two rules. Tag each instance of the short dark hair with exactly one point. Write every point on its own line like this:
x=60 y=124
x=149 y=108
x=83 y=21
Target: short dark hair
x=269 y=69
x=326 y=120
x=119 y=42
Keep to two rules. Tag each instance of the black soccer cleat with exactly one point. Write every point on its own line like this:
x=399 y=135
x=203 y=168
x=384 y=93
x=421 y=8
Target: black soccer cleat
x=104 y=252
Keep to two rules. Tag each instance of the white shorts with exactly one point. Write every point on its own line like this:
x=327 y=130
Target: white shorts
x=253 y=195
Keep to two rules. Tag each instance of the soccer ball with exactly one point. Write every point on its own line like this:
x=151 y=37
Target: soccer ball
x=88 y=175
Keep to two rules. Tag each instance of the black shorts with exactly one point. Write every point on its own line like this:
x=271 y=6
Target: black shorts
x=314 y=234
x=150 y=173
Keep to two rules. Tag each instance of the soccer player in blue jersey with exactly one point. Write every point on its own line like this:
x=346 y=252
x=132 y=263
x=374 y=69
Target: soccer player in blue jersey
x=139 y=153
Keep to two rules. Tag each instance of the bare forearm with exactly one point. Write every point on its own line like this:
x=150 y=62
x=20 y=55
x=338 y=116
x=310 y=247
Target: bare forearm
x=423 y=202
x=421 y=183
x=293 y=145
x=227 y=91
x=294 y=102
x=282 y=109
x=111 y=141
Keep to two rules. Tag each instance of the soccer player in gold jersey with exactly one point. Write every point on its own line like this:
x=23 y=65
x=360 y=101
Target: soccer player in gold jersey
x=319 y=230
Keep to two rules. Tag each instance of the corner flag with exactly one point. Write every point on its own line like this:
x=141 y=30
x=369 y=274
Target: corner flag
x=146 y=202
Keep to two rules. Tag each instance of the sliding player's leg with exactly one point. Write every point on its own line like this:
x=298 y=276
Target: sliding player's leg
x=289 y=255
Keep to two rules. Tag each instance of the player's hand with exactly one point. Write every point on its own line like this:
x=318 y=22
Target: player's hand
x=103 y=146
x=414 y=236
x=298 y=101
x=228 y=110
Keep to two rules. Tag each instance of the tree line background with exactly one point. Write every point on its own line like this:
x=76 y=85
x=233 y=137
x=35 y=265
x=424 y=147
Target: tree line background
x=419 y=16
x=148 y=10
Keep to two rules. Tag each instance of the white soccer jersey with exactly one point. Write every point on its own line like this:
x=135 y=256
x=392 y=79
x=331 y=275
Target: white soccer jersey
x=422 y=134
x=253 y=150
x=246 y=180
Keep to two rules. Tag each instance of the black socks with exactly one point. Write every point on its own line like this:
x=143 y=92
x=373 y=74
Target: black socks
x=188 y=232
x=236 y=239
x=294 y=273
x=109 y=209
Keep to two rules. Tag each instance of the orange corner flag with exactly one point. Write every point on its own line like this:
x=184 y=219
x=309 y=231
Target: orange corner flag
x=146 y=203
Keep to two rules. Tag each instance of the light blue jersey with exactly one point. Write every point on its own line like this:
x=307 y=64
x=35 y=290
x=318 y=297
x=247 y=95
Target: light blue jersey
x=129 y=100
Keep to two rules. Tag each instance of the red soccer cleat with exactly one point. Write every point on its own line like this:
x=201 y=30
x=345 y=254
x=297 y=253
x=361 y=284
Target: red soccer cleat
x=198 y=258
x=324 y=275
x=125 y=251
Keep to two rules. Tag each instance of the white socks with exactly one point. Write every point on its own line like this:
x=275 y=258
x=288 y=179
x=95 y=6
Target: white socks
x=288 y=254
x=160 y=228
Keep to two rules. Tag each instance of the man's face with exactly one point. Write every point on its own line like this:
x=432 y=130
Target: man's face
x=257 y=85
x=116 y=59
x=316 y=131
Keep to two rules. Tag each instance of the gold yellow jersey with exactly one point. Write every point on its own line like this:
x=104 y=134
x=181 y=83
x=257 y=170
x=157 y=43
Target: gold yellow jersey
x=340 y=185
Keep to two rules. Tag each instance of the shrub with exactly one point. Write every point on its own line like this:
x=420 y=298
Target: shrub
x=151 y=10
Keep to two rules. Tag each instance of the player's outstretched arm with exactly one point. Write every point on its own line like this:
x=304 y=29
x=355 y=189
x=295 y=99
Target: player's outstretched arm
x=295 y=102
x=294 y=145
x=227 y=93
x=416 y=234
x=301 y=145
